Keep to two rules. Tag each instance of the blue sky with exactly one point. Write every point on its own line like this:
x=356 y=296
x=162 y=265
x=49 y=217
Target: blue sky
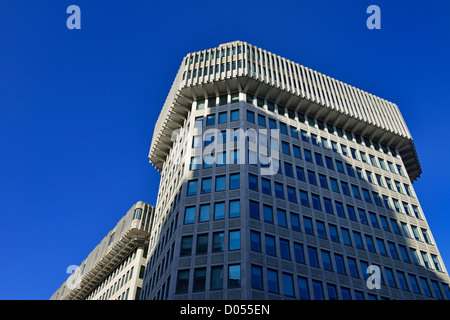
x=78 y=107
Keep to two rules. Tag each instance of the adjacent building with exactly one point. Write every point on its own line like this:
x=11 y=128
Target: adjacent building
x=114 y=269
x=337 y=202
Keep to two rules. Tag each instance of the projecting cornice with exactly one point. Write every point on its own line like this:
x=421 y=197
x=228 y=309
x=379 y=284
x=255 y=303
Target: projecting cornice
x=240 y=67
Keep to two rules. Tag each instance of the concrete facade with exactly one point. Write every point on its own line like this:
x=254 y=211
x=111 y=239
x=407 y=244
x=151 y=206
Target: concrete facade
x=343 y=199
x=114 y=269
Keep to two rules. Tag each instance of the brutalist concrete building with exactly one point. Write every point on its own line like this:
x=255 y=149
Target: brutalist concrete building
x=279 y=182
x=114 y=270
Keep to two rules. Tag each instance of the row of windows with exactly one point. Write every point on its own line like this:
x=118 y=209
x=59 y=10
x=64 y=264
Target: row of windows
x=320 y=203
x=336 y=186
x=220 y=184
x=218 y=243
x=218 y=210
x=217 y=277
x=295 y=133
x=230 y=51
x=277 y=282
x=117 y=270
x=330 y=231
x=218 y=68
x=376 y=221
x=317 y=290
x=339 y=166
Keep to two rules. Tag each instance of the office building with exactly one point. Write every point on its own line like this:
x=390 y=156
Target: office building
x=340 y=202
x=114 y=269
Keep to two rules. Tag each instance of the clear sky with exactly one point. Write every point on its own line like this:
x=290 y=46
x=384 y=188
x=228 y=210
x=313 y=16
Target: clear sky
x=78 y=107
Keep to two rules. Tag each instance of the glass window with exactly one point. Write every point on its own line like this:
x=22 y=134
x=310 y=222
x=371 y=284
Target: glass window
x=210 y=119
x=323 y=181
x=414 y=284
x=304 y=198
x=339 y=262
x=326 y=260
x=272 y=281
x=300 y=173
x=334 y=185
x=218 y=242
x=281 y=215
x=182 y=281
x=235 y=208
x=255 y=241
x=345 y=189
x=321 y=229
x=346 y=237
x=192 y=187
x=270 y=245
x=356 y=193
x=333 y=233
x=186 y=246
x=332 y=292
x=318 y=158
x=316 y=202
x=204 y=213
x=297 y=153
x=425 y=287
x=234 y=115
x=189 y=215
x=358 y=240
x=234 y=242
x=352 y=267
x=268 y=213
x=285 y=147
x=404 y=253
x=284 y=249
x=362 y=216
x=279 y=193
x=381 y=247
x=308 y=156
x=220 y=183
x=303 y=288
x=393 y=250
x=265 y=183
x=234 y=276
x=234 y=181
x=252 y=182
x=216 y=277
x=313 y=259
x=369 y=243
x=257 y=282
x=437 y=290
x=346 y=295
x=254 y=209
x=298 y=253
x=295 y=221
x=339 y=209
x=250 y=116
x=219 y=210
x=202 y=243
x=426 y=236
x=328 y=206
x=402 y=279
x=339 y=166
x=307 y=222
x=206 y=185
x=288 y=285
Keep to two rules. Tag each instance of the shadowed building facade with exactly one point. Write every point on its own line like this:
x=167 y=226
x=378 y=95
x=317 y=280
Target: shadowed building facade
x=115 y=268
x=341 y=198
